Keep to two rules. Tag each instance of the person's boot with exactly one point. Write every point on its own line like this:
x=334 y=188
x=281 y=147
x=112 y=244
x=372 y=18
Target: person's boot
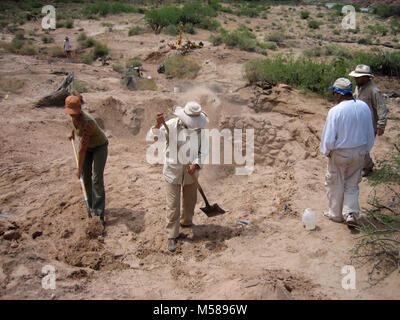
x=172 y=244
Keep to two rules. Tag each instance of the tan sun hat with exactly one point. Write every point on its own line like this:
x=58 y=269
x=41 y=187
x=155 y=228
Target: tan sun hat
x=342 y=86
x=361 y=71
x=73 y=105
x=192 y=115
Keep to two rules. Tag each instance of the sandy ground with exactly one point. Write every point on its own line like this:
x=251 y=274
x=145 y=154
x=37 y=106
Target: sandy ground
x=216 y=259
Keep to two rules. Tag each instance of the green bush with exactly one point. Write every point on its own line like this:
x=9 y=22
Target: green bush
x=160 y=18
x=100 y=50
x=87 y=58
x=387 y=11
x=304 y=73
x=134 y=31
x=313 y=24
x=82 y=37
x=69 y=23
x=86 y=42
x=28 y=49
x=118 y=67
x=47 y=39
x=181 y=67
x=105 y=8
x=57 y=52
x=304 y=14
x=271 y=46
x=133 y=62
x=172 y=30
x=216 y=40
x=378 y=29
x=241 y=38
x=209 y=24
x=79 y=86
x=277 y=37
x=364 y=41
x=191 y=15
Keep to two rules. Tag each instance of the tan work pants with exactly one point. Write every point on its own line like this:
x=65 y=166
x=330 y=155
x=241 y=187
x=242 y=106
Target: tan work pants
x=174 y=203
x=341 y=181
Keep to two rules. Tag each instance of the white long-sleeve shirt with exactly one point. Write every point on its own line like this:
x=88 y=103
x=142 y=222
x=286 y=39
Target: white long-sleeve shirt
x=348 y=125
x=174 y=169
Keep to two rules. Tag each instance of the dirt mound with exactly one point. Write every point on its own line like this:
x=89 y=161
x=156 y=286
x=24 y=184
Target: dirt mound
x=121 y=119
x=276 y=141
x=155 y=57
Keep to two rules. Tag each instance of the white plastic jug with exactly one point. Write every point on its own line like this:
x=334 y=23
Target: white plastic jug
x=308 y=219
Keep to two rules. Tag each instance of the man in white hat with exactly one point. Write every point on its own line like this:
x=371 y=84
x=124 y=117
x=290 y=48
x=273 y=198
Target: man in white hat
x=368 y=92
x=178 y=168
x=348 y=135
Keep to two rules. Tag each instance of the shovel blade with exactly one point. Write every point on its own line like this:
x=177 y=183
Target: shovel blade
x=212 y=211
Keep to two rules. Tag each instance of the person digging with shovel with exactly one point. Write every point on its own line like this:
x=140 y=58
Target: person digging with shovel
x=92 y=153
x=189 y=122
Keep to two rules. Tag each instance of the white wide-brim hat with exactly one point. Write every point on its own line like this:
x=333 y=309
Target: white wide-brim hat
x=192 y=115
x=361 y=71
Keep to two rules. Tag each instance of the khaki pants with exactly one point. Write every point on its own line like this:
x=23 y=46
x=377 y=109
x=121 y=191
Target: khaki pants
x=341 y=181
x=174 y=205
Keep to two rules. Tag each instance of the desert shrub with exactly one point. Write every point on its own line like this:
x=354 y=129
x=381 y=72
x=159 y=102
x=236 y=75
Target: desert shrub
x=118 y=67
x=147 y=84
x=277 y=37
x=271 y=45
x=28 y=49
x=304 y=14
x=12 y=85
x=86 y=42
x=79 y=86
x=209 y=24
x=250 y=12
x=134 y=31
x=181 y=67
x=395 y=26
x=172 y=30
x=195 y=14
x=387 y=11
x=107 y=24
x=216 y=40
x=87 y=58
x=189 y=28
x=160 y=18
x=82 y=37
x=105 y=8
x=100 y=50
x=378 y=29
x=313 y=24
x=384 y=63
x=304 y=73
x=57 y=52
x=69 y=23
x=241 y=38
x=364 y=41
x=47 y=39
x=133 y=62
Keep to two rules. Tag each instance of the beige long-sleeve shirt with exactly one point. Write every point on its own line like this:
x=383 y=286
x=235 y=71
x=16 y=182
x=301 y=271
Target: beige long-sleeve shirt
x=174 y=169
x=371 y=95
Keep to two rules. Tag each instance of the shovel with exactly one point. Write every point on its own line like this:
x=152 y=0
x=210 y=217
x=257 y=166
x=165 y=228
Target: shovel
x=210 y=211
x=81 y=180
